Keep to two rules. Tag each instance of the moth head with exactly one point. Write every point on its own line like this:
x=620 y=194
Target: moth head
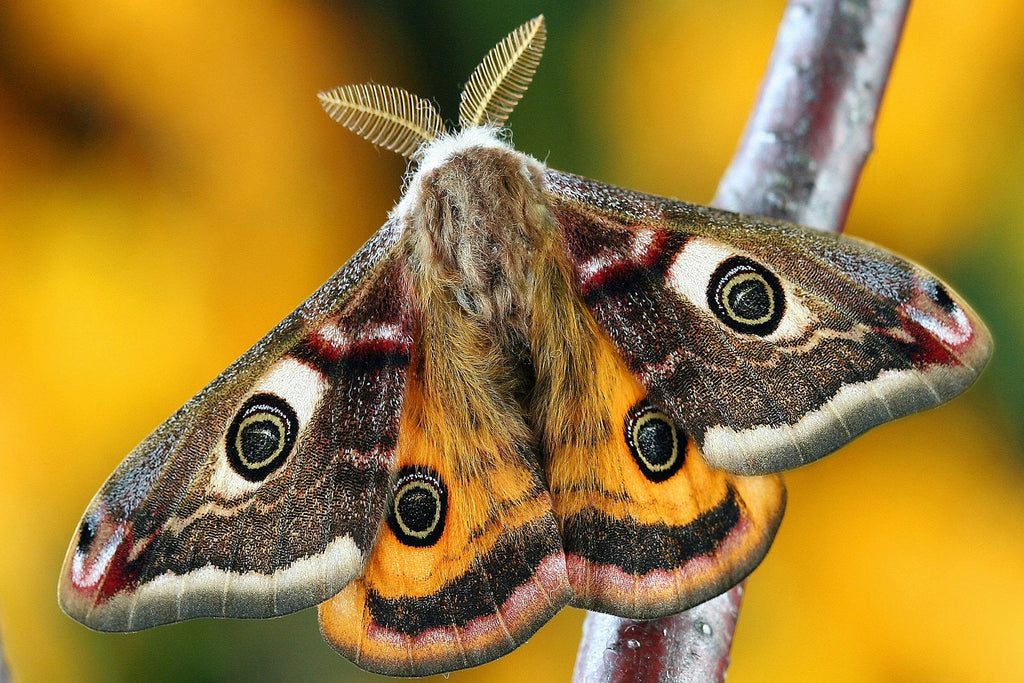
x=405 y=123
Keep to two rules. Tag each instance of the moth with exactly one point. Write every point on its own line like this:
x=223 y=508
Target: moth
x=527 y=390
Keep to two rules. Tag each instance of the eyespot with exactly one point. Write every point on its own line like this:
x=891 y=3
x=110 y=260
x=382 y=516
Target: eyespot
x=746 y=296
x=658 y=448
x=419 y=506
x=261 y=436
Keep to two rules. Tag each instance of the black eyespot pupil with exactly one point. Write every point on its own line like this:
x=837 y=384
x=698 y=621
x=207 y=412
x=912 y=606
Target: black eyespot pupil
x=419 y=506
x=260 y=440
x=655 y=441
x=746 y=296
x=261 y=436
x=750 y=299
x=658 y=447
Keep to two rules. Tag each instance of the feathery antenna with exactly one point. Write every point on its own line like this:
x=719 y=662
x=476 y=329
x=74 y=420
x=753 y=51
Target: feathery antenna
x=386 y=116
x=402 y=122
x=500 y=80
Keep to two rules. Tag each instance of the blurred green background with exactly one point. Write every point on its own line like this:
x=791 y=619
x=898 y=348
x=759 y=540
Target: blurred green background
x=170 y=189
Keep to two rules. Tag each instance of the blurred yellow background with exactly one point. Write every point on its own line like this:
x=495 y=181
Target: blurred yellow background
x=170 y=189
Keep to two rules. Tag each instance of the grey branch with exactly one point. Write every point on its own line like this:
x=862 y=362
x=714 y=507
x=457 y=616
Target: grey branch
x=812 y=128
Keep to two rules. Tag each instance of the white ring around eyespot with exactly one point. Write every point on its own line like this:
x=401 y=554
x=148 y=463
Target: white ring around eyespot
x=298 y=385
x=690 y=275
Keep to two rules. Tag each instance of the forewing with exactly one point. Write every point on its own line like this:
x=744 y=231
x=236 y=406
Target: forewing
x=264 y=493
x=772 y=345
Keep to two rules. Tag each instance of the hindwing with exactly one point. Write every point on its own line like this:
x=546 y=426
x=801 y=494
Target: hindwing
x=470 y=562
x=647 y=527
